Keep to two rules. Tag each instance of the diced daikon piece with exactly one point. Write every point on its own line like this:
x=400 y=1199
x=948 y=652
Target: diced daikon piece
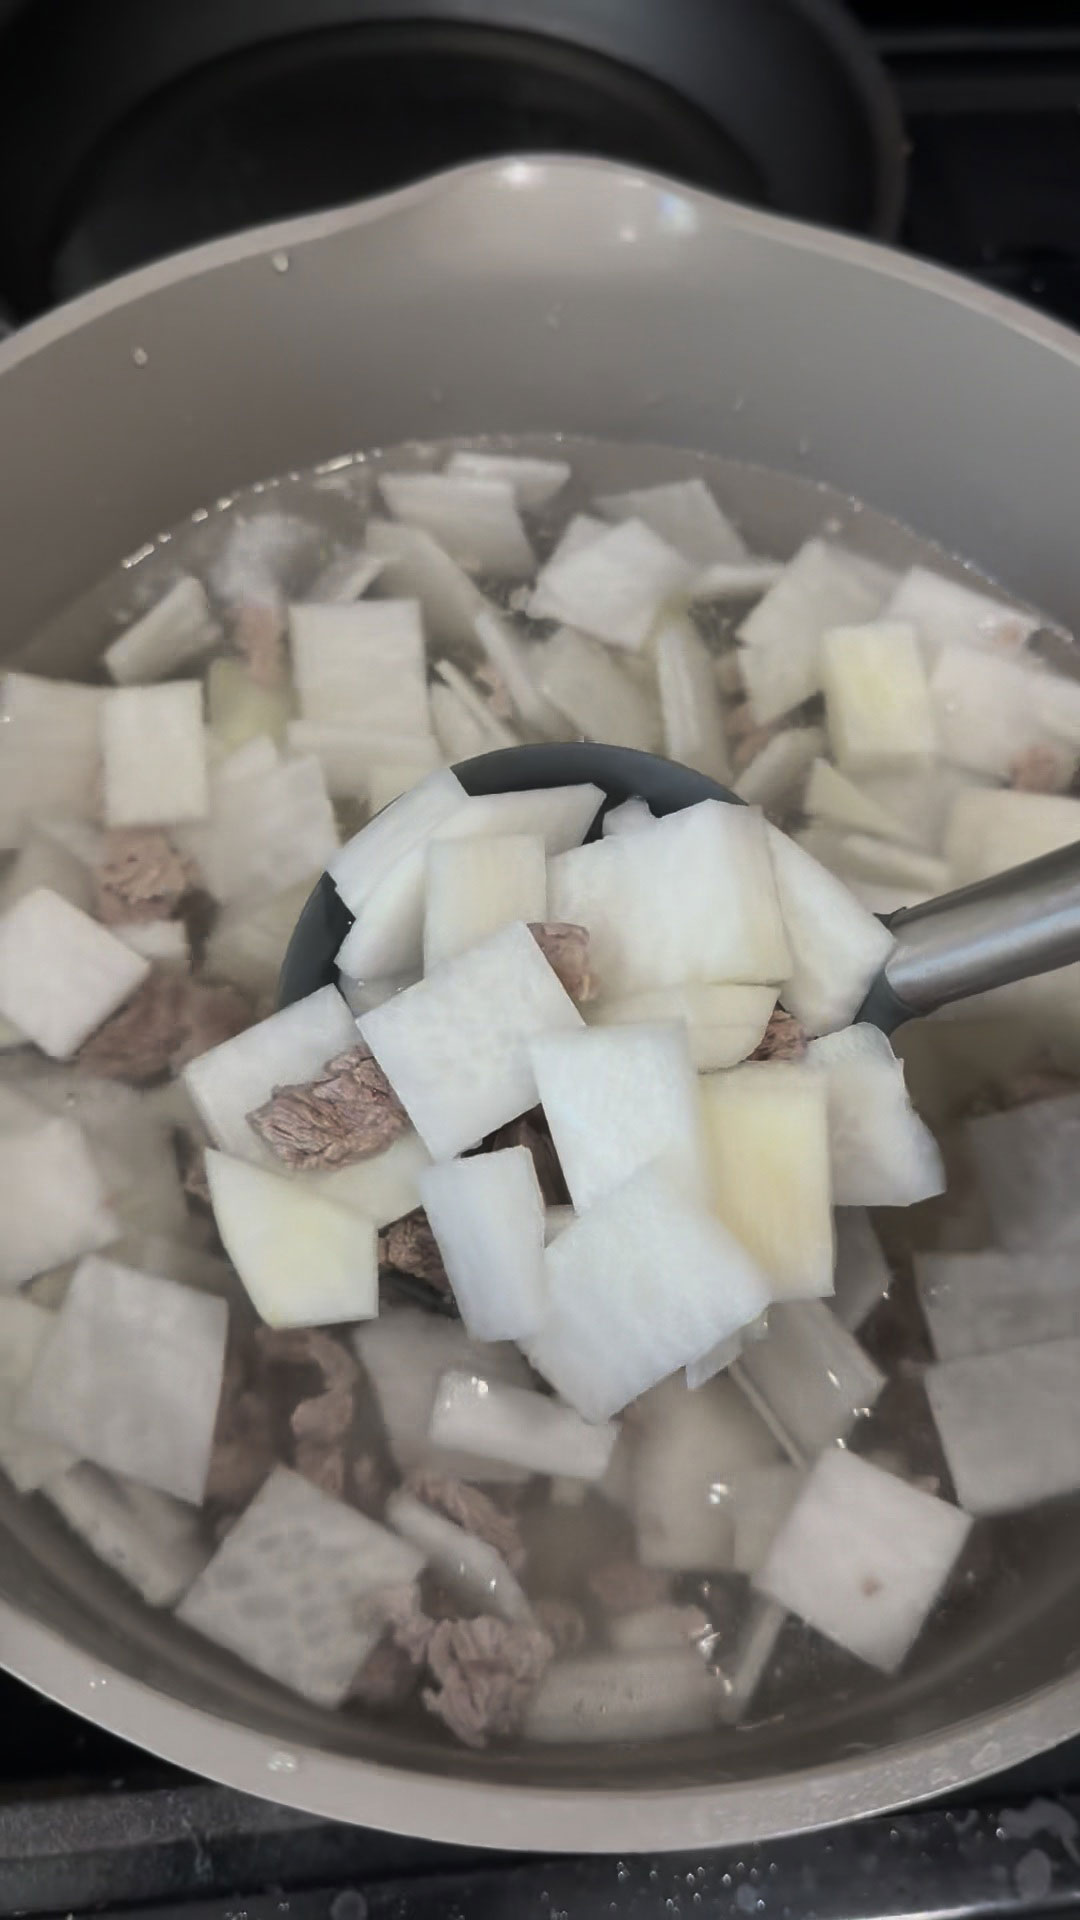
x=363 y=663
x=525 y=1428
x=921 y=801
x=231 y=1079
x=767 y=1142
x=154 y=755
x=42 y=861
x=723 y=1024
x=689 y=698
x=361 y=995
x=744 y=1668
x=613 y=587
x=344 y=579
x=988 y=1302
x=1025 y=1159
x=179 y=628
x=881 y=1153
x=289 y=1589
x=55 y=1202
x=991 y=710
x=389 y=778
x=455 y=1048
x=268 y=829
x=838 y=946
x=809 y=1378
x=688 y=899
x=477 y=521
x=761 y=1499
x=61 y=974
x=1009 y=1424
x=153 y=1542
x=832 y=797
x=487 y=1215
x=579 y=532
x=718 y=1359
x=579 y=677
x=682 y=512
x=628 y=817
x=28 y=1461
x=471 y=1567
x=385 y=845
x=863 y=1556
x=405 y=1354
x=473 y=887
x=823 y=586
x=990 y=831
x=247 y=941
x=132 y=1148
x=948 y=613
x=461 y=734
x=735 y=579
x=305 y=1260
x=384 y=1187
x=877 y=700
x=862 y=1275
x=774 y=776
x=689 y=1453
x=639 y=1286
x=130 y=1377
x=348 y=756
x=416 y=567
x=618 y=1099
x=517 y=663
x=52 y=752
x=600 y=1697
x=239 y=709
x=881 y=862
x=163 y=942
x=480 y=710
x=534 y=482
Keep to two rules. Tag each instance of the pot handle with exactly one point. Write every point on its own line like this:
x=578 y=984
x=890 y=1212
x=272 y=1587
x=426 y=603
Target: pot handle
x=1023 y=922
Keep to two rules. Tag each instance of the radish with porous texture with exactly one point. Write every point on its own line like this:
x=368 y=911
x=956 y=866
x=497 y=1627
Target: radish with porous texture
x=154 y=1543
x=231 y=1080
x=601 y=1697
x=877 y=702
x=476 y=521
x=690 y=1449
x=823 y=586
x=178 y=628
x=766 y=1136
x=685 y=514
x=361 y=664
x=808 y=1378
x=837 y=946
x=154 y=755
x=689 y=698
x=723 y=1023
x=28 y=1460
x=487 y=1215
x=527 y=1429
x=1009 y=1424
x=473 y=887
x=989 y=1302
x=617 y=1099
x=51 y=762
x=615 y=586
x=405 y=1353
x=579 y=677
x=56 y=1205
x=881 y=1153
x=305 y=1260
x=61 y=973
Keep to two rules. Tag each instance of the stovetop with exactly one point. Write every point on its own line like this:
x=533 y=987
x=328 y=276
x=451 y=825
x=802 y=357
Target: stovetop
x=991 y=98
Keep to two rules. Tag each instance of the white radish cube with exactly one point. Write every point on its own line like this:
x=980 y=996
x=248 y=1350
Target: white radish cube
x=717 y=1360
x=629 y=817
x=179 y=628
x=689 y=698
x=455 y=1048
x=690 y=1450
x=682 y=512
x=415 y=567
x=525 y=1428
x=877 y=701
x=862 y=1275
x=475 y=887
x=487 y=1214
x=723 y=1024
x=305 y=1261
x=55 y=1202
x=775 y=776
x=405 y=1353
x=744 y=1667
x=1009 y=1424
x=61 y=974
x=248 y=939
x=767 y=1143
x=808 y=1378
x=688 y=899
x=832 y=797
x=290 y=1587
x=232 y=1079
x=131 y=1376
x=761 y=1499
x=239 y=709
x=385 y=845
x=154 y=755
x=51 y=761
x=43 y=861
x=1025 y=1160
x=882 y=863
x=989 y=831
x=382 y=1188
x=132 y=1148
x=270 y=826
x=617 y=1099
x=989 y=1302
x=362 y=663
x=579 y=677
x=349 y=756
x=516 y=661
x=947 y=613
x=27 y=1460
x=464 y=720
x=471 y=1567
x=580 y=531
x=881 y=1153
x=613 y=587
x=823 y=586
x=603 y=1697
x=991 y=710
x=863 y=1556
x=153 y=1542
x=639 y=1286
x=838 y=946
x=534 y=482
x=477 y=521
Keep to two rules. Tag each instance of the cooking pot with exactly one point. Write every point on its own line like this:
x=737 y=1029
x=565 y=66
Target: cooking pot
x=577 y=296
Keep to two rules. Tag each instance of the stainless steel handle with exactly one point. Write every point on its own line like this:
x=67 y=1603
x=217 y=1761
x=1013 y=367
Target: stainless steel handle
x=1023 y=922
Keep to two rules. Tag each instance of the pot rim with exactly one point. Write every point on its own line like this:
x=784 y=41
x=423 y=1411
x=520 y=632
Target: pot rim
x=532 y=1818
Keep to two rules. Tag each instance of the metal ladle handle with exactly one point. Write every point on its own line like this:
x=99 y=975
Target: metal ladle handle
x=1022 y=922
